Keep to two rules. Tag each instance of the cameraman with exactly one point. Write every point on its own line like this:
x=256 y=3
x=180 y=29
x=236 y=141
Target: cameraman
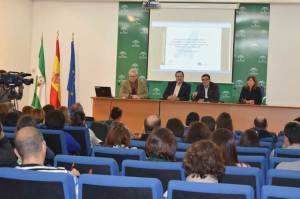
x=7 y=94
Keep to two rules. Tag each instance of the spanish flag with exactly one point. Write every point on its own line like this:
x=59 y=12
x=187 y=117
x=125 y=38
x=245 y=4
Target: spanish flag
x=55 y=98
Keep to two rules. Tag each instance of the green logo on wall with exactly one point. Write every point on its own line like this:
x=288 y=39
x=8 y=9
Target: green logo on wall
x=156 y=92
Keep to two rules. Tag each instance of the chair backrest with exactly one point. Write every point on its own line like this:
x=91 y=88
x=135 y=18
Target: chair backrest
x=278 y=192
x=245 y=176
x=82 y=136
x=264 y=144
x=279 y=177
x=255 y=161
x=179 y=155
x=279 y=144
x=10 y=137
x=17 y=183
x=55 y=140
x=267 y=139
x=9 y=129
x=287 y=153
x=118 y=187
x=274 y=161
x=182 y=146
x=85 y=164
x=119 y=154
x=191 y=190
x=138 y=144
x=253 y=151
x=164 y=171
x=100 y=129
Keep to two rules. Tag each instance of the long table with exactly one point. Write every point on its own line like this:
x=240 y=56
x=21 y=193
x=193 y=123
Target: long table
x=134 y=112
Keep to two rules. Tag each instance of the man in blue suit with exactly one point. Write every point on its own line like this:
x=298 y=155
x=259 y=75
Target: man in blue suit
x=178 y=90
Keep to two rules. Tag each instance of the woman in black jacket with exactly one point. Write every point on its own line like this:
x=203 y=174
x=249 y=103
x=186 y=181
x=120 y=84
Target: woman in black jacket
x=251 y=93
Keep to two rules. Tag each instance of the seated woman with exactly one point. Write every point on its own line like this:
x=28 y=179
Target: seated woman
x=118 y=136
x=161 y=145
x=251 y=93
x=204 y=162
x=224 y=139
x=249 y=139
x=176 y=126
x=197 y=131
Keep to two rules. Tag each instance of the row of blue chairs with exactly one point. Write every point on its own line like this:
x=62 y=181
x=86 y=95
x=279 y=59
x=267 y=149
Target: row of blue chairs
x=30 y=184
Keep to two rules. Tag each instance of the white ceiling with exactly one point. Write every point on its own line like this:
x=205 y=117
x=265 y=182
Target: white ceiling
x=205 y=1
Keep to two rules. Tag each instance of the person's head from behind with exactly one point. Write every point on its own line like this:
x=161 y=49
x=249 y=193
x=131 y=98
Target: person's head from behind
x=38 y=115
x=225 y=140
x=161 y=144
x=11 y=118
x=224 y=121
x=197 y=131
x=4 y=109
x=30 y=146
x=292 y=133
x=205 y=78
x=179 y=75
x=210 y=122
x=116 y=114
x=133 y=75
x=204 y=158
x=252 y=82
x=78 y=119
x=76 y=107
x=297 y=119
x=48 y=108
x=65 y=111
x=25 y=121
x=151 y=122
x=249 y=138
x=192 y=117
x=176 y=126
x=2 y=72
x=118 y=136
x=260 y=123
x=27 y=110
x=55 y=120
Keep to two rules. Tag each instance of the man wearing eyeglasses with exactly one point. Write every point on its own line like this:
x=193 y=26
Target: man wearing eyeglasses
x=206 y=91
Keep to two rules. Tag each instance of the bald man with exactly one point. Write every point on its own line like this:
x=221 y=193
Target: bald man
x=133 y=87
x=150 y=123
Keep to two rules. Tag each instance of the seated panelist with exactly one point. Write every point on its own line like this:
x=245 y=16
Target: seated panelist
x=133 y=87
x=251 y=93
x=178 y=90
x=207 y=91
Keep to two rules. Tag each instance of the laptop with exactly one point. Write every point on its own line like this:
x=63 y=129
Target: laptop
x=103 y=91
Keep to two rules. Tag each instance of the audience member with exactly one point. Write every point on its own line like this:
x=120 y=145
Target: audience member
x=210 y=122
x=7 y=156
x=161 y=145
x=115 y=116
x=224 y=121
x=48 y=108
x=76 y=107
x=191 y=117
x=11 y=118
x=38 y=115
x=31 y=149
x=249 y=139
x=225 y=140
x=27 y=110
x=204 y=163
x=65 y=112
x=176 y=126
x=197 y=131
x=3 y=111
x=260 y=125
x=118 y=136
x=150 y=123
x=56 y=120
x=78 y=119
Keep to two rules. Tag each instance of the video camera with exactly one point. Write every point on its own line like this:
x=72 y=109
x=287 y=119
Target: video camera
x=14 y=79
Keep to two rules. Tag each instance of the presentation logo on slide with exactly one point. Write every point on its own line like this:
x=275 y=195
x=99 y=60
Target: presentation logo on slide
x=135 y=44
x=262 y=59
x=240 y=58
x=122 y=55
x=123 y=30
x=253 y=71
x=143 y=55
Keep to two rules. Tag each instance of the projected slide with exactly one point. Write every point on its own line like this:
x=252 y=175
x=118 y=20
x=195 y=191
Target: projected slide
x=193 y=48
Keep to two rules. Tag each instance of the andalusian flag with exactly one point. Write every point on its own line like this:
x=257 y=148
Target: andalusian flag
x=55 y=98
x=39 y=97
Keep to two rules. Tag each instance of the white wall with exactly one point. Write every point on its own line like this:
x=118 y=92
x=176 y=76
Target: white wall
x=95 y=25
x=15 y=37
x=283 y=76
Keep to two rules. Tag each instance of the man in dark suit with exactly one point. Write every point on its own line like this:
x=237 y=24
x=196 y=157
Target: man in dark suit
x=178 y=90
x=206 y=91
